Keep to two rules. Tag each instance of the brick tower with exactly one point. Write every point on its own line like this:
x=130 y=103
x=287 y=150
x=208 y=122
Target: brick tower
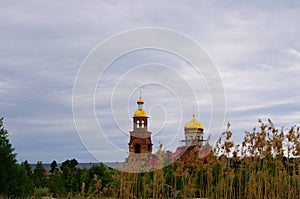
x=140 y=137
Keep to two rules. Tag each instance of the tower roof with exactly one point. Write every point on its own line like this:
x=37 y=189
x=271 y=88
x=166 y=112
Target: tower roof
x=140 y=113
x=193 y=126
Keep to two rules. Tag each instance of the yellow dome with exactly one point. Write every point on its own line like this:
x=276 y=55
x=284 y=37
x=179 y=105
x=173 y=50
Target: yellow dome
x=140 y=113
x=200 y=126
x=193 y=125
x=140 y=100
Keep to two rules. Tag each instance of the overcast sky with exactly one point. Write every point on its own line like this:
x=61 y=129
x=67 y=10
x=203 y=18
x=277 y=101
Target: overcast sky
x=255 y=46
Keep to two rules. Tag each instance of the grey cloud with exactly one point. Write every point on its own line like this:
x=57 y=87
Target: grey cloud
x=254 y=45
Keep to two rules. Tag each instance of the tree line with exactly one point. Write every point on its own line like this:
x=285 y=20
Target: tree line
x=265 y=165
x=20 y=180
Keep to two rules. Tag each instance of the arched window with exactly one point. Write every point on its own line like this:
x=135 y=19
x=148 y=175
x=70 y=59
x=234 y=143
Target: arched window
x=138 y=124
x=143 y=124
x=137 y=148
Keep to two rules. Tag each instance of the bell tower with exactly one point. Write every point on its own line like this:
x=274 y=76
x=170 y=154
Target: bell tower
x=140 y=137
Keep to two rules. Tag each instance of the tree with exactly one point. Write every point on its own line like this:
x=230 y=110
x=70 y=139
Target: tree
x=13 y=178
x=39 y=175
x=7 y=160
x=104 y=173
x=71 y=164
x=56 y=184
x=71 y=175
x=99 y=175
x=53 y=166
x=27 y=167
x=22 y=185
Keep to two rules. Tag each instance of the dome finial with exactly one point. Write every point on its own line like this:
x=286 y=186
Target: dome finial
x=140 y=100
x=193 y=111
x=140 y=112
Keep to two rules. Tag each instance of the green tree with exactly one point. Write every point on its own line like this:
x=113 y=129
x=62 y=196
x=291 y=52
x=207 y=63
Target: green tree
x=70 y=164
x=97 y=174
x=7 y=160
x=56 y=184
x=27 y=168
x=13 y=178
x=39 y=175
x=72 y=176
x=53 y=166
x=22 y=185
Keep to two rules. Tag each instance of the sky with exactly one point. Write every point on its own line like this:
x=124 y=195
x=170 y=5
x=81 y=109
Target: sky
x=254 y=45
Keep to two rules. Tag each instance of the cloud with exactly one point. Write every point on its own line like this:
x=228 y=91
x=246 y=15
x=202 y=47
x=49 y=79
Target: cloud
x=294 y=53
x=254 y=45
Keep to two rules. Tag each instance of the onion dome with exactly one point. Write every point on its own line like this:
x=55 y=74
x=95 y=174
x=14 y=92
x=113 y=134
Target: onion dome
x=140 y=101
x=140 y=113
x=193 y=126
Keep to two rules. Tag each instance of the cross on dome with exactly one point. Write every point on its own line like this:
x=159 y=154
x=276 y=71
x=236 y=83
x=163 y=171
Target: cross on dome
x=140 y=112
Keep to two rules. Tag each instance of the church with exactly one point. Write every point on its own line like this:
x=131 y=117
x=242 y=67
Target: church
x=140 y=142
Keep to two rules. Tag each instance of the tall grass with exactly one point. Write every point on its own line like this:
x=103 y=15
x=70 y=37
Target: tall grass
x=265 y=165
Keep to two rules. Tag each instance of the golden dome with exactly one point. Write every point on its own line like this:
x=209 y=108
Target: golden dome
x=140 y=113
x=140 y=100
x=193 y=126
x=200 y=126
